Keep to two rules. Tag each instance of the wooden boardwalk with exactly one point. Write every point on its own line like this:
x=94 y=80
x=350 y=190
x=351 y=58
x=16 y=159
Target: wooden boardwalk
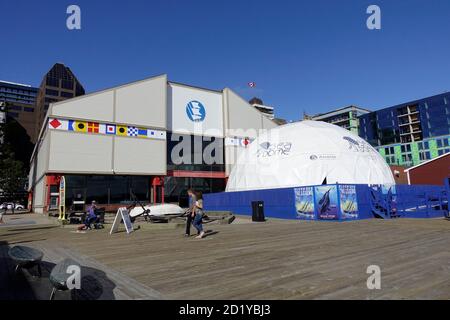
x=273 y=260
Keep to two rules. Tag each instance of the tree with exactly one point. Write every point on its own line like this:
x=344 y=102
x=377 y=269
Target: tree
x=13 y=172
x=12 y=176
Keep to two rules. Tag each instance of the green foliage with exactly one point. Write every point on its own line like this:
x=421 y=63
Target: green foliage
x=13 y=172
x=12 y=176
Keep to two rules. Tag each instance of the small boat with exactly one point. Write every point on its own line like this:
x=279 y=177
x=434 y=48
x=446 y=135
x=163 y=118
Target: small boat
x=157 y=210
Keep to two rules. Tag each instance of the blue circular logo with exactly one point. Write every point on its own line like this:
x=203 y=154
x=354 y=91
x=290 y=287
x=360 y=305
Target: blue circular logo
x=195 y=111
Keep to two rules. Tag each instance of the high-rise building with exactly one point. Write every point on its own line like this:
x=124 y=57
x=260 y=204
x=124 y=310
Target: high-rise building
x=58 y=84
x=19 y=102
x=346 y=118
x=410 y=133
x=268 y=111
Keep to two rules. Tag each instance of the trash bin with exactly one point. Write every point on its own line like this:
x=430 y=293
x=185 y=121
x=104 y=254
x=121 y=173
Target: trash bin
x=258 y=211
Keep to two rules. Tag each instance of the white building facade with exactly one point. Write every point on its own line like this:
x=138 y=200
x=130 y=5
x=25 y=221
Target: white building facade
x=151 y=138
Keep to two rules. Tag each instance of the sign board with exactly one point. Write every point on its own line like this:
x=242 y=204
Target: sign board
x=348 y=201
x=304 y=203
x=194 y=111
x=122 y=215
x=62 y=199
x=326 y=202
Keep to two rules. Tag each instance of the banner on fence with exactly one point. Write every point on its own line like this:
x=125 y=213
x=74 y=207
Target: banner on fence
x=304 y=202
x=348 y=201
x=326 y=202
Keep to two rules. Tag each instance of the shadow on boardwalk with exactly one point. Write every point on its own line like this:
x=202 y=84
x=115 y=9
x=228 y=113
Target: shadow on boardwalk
x=27 y=285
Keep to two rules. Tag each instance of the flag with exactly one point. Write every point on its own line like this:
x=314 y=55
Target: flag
x=93 y=127
x=122 y=131
x=132 y=131
x=142 y=133
x=58 y=124
x=54 y=123
x=110 y=129
x=156 y=134
x=102 y=128
x=80 y=126
x=245 y=142
x=162 y=135
x=252 y=84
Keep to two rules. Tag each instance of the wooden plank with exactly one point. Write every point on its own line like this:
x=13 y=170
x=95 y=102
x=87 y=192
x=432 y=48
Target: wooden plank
x=274 y=260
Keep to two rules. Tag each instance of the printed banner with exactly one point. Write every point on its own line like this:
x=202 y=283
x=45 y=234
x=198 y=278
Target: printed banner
x=349 y=201
x=326 y=202
x=304 y=203
x=105 y=128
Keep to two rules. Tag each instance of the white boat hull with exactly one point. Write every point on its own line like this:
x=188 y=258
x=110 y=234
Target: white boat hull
x=158 y=210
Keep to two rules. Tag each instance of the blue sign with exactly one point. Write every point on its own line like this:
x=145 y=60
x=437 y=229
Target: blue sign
x=195 y=111
x=304 y=202
x=326 y=202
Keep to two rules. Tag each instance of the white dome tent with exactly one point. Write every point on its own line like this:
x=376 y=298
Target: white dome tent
x=307 y=153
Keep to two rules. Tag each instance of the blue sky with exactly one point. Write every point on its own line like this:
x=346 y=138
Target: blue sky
x=305 y=56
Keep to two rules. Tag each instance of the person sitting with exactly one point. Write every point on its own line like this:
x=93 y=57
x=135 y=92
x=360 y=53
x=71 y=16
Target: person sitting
x=90 y=218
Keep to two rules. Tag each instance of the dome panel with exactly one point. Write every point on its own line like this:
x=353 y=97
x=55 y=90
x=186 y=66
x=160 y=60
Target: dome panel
x=307 y=153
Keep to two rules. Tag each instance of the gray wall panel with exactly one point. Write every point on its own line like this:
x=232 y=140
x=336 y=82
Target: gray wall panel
x=143 y=103
x=97 y=106
x=77 y=152
x=139 y=156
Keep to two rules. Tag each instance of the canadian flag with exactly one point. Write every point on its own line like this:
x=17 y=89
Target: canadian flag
x=245 y=142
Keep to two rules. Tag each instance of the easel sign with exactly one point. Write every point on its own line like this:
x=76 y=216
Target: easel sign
x=122 y=215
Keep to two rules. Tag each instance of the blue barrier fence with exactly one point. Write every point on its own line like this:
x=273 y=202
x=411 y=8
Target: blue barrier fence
x=337 y=202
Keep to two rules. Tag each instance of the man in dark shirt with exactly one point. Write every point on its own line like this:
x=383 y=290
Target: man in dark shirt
x=191 y=212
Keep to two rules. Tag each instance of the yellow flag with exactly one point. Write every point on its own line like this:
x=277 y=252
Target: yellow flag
x=80 y=126
x=121 y=131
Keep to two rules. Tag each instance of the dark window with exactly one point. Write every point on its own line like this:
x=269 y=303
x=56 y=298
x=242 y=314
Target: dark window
x=176 y=188
x=107 y=189
x=67 y=84
x=51 y=92
x=16 y=108
x=66 y=94
x=201 y=154
x=54 y=82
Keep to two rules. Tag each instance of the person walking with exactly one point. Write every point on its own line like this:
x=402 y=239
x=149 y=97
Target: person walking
x=198 y=218
x=191 y=212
